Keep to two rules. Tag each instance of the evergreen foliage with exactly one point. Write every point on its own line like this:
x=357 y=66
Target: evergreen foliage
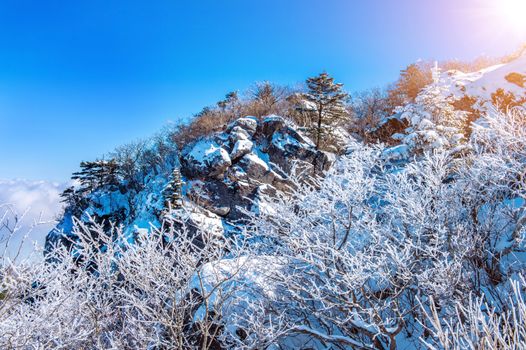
x=97 y=173
x=329 y=100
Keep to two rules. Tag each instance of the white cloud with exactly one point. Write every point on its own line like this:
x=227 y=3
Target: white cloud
x=40 y=200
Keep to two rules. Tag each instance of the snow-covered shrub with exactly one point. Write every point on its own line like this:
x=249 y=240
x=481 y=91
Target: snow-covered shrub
x=109 y=293
x=477 y=325
x=363 y=245
x=434 y=124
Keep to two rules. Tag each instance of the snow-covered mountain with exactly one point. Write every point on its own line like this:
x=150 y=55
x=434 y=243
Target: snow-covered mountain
x=251 y=238
x=444 y=112
x=225 y=172
x=491 y=85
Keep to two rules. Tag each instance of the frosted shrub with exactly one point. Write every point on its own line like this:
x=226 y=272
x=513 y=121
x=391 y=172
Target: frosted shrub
x=476 y=325
x=112 y=293
x=366 y=243
x=374 y=255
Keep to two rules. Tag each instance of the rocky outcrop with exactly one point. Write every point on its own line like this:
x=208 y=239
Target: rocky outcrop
x=223 y=176
x=286 y=147
x=227 y=171
x=247 y=124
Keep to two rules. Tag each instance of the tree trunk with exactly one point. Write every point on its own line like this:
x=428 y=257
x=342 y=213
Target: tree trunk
x=318 y=136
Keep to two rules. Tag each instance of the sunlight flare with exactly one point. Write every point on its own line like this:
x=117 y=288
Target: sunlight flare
x=513 y=14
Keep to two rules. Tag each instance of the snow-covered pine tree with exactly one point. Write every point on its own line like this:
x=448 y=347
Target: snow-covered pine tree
x=173 y=192
x=329 y=99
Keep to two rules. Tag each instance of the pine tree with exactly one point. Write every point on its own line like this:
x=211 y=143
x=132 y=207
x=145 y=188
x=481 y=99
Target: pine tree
x=68 y=196
x=230 y=100
x=329 y=99
x=173 y=192
x=96 y=174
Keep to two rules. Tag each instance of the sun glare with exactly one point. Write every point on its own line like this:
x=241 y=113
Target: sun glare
x=513 y=13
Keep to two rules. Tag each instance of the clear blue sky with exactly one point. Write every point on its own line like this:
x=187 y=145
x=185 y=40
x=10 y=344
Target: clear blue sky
x=78 y=78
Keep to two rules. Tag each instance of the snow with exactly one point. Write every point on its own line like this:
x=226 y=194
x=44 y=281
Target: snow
x=205 y=220
x=238 y=133
x=306 y=105
x=249 y=124
x=248 y=270
x=234 y=285
x=282 y=140
x=482 y=84
x=108 y=203
x=273 y=118
x=396 y=152
x=241 y=148
x=205 y=151
x=262 y=155
x=253 y=158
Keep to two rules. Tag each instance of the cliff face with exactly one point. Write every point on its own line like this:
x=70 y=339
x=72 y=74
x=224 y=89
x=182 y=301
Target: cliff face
x=227 y=171
x=223 y=175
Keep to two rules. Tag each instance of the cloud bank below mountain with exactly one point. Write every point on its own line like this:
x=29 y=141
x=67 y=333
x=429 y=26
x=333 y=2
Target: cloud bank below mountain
x=38 y=202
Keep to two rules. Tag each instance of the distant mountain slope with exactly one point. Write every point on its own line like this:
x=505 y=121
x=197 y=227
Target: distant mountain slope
x=484 y=85
x=443 y=112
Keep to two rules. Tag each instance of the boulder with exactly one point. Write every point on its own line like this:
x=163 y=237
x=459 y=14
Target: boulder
x=249 y=124
x=204 y=158
x=271 y=125
x=214 y=195
x=237 y=133
x=256 y=169
x=241 y=148
x=296 y=135
x=284 y=149
x=201 y=225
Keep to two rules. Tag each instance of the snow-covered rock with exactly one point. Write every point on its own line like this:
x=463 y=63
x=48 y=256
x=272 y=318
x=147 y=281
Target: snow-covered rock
x=259 y=153
x=249 y=124
x=283 y=147
x=272 y=124
x=255 y=169
x=241 y=148
x=238 y=133
x=223 y=175
x=213 y=195
x=205 y=158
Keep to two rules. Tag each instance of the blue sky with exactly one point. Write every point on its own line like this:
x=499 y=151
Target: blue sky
x=78 y=78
